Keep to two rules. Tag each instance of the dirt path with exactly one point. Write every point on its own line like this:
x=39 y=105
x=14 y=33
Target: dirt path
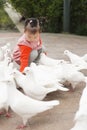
x=61 y=117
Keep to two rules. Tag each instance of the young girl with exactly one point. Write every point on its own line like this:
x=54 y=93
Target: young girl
x=29 y=46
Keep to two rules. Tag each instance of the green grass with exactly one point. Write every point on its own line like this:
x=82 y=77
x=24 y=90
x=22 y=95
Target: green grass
x=5 y=21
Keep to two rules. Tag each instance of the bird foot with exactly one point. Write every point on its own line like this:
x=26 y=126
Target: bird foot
x=21 y=127
x=8 y=115
x=1 y=113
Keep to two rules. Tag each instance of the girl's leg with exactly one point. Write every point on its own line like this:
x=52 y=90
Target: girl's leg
x=33 y=56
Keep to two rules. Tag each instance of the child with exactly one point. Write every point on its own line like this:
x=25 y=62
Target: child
x=29 y=46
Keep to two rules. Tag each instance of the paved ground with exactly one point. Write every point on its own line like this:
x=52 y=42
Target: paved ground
x=60 y=117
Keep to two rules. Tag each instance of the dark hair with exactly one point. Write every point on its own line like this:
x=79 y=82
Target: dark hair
x=32 y=25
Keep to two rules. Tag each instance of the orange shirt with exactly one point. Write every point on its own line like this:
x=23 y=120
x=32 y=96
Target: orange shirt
x=24 y=57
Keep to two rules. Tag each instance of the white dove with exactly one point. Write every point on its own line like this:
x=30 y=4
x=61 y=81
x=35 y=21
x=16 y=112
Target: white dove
x=4 y=67
x=84 y=57
x=45 y=74
x=45 y=60
x=81 y=124
x=8 y=53
x=1 y=54
x=76 y=60
x=81 y=114
x=5 y=47
x=72 y=75
x=4 y=97
x=30 y=88
x=63 y=72
x=83 y=103
x=38 y=74
x=25 y=106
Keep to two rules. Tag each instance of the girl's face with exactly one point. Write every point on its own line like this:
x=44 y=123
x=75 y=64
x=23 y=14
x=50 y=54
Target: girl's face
x=32 y=37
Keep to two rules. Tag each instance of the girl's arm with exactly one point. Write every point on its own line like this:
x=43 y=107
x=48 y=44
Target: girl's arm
x=24 y=57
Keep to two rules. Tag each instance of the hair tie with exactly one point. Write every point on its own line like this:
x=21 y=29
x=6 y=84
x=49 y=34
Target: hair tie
x=30 y=21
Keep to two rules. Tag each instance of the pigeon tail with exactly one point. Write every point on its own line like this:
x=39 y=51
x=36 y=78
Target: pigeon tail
x=53 y=103
x=62 y=88
x=48 y=105
x=49 y=90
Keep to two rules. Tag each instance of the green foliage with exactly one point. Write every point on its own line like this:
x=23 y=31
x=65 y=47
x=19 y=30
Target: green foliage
x=78 y=21
x=31 y=8
x=5 y=22
x=55 y=16
x=81 y=29
x=2 y=2
x=52 y=12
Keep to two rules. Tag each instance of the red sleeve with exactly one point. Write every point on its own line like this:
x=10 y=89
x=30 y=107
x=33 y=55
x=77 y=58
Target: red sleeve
x=24 y=58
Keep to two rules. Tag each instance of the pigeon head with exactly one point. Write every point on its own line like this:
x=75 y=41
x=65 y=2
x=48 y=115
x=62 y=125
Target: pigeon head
x=8 y=44
x=15 y=72
x=66 y=52
x=7 y=51
x=32 y=64
x=42 y=54
x=85 y=57
x=7 y=60
x=26 y=70
x=61 y=61
x=8 y=82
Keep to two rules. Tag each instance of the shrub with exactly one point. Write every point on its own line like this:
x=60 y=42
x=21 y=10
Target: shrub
x=78 y=20
x=5 y=21
x=51 y=12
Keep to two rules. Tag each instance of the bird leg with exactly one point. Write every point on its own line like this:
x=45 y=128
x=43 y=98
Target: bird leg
x=1 y=113
x=21 y=127
x=8 y=115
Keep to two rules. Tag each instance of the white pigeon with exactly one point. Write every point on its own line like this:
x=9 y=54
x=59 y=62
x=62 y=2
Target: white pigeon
x=44 y=76
x=81 y=124
x=71 y=75
x=83 y=103
x=45 y=73
x=1 y=54
x=5 y=47
x=81 y=114
x=37 y=74
x=8 y=53
x=76 y=60
x=45 y=60
x=25 y=106
x=8 y=69
x=4 y=67
x=31 y=88
x=84 y=57
x=4 y=97
x=63 y=72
